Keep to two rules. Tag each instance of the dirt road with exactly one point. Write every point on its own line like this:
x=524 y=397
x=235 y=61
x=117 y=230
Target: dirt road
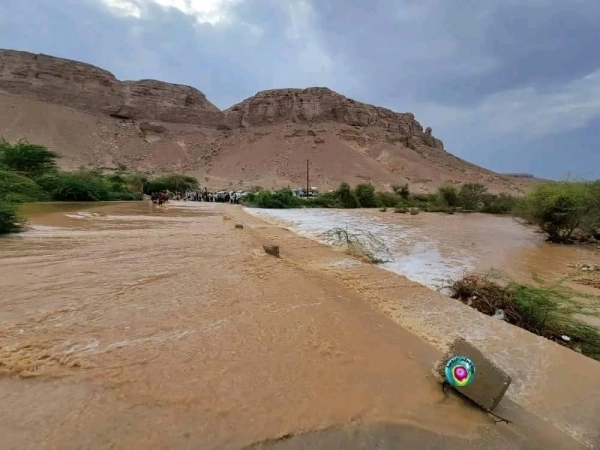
x=172 y=330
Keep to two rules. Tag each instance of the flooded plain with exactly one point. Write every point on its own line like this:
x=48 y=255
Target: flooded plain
x=126 y=325
x=434 y=249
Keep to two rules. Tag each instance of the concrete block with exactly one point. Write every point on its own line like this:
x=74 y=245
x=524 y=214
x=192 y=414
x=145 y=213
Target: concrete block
x=490 y=382
x=272 y=250
x=239 y=225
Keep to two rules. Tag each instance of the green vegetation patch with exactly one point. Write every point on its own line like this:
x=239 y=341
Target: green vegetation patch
x=545 y=311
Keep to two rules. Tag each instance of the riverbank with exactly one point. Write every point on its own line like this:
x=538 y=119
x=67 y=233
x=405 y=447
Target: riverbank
x=167 y=327
x=542 y=371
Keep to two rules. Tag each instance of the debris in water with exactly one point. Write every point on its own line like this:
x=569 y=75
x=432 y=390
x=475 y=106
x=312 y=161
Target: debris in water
x=499 y=314
x=271 y=250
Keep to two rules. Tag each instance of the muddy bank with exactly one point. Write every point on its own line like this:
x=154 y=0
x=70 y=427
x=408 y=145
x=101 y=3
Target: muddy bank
x=138 y=328
x=537 y=365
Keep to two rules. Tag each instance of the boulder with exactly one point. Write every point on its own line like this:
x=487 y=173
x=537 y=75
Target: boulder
x=272 y=250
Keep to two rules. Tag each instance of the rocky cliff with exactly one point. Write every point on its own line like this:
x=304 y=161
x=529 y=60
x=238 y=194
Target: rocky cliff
x=83 y=86
x=93 y=119
x=319 y=104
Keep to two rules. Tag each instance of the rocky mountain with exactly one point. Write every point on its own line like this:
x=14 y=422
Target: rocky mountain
x=93 y=119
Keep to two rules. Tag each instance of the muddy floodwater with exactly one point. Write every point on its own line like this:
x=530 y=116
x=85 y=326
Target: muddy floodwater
x=126 y=325
x=433 y=249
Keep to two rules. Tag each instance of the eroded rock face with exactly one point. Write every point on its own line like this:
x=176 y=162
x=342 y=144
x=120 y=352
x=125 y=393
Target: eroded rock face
x=83 y=86
x=319 y=104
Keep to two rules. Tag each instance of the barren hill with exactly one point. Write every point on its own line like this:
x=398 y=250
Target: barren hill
x=93 y=119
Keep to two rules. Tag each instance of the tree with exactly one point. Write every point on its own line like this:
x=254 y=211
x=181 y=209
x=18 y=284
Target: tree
x=73 y=187
x=10 y=221
x=173 y=183
x=365 y=193
x=346 y=197
x=449 y=195
x=402 y=191
x=15 y=188
x=558 y=209
x=470 y=195
x=28 y=159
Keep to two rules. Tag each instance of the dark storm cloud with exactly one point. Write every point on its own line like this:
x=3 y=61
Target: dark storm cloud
x=228 y=63
x=506 y=84
x=457 y=52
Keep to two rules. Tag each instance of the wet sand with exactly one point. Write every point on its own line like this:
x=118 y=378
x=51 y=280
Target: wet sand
x=138 y=328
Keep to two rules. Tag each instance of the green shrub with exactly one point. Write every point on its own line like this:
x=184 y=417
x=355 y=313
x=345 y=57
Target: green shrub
x=10 y=221
x=71 y=187
x=365 y=194
x=558 y=209
x=281 y=199
x=346 y=197
x=326 y=200
x=388 y=199
x=173 y=183
x=402 y=191
x=15 y=188
x=449 y=195
x=470 y=196
x=498 y=204
x=28 y=159
x=540 y=310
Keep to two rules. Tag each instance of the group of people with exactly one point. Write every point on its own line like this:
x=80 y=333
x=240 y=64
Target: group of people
x=233 y=197
x=158 y=198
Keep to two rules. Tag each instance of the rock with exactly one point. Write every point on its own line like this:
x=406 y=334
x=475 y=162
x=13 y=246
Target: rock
x=320 y=104
x=490 y=382
x=83 y=86
x=239 y=226
x=272 y=250
x=414 y=211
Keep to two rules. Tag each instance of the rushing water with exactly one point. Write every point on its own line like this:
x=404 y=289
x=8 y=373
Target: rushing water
x=166 y=327
x=433 y=249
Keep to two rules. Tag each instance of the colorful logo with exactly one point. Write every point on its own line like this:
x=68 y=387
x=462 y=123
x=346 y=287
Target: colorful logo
x=459 y=371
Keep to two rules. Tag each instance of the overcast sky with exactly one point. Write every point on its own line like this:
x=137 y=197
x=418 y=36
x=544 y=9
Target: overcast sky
x=510 y=85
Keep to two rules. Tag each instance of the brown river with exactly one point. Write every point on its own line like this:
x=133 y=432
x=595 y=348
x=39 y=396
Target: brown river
x=126 y=326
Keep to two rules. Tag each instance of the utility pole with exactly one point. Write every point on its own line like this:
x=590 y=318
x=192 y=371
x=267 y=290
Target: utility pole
x=307 y=179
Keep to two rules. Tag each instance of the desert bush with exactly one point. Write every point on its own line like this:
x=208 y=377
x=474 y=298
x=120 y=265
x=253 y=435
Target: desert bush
x=346 y=197
x=63 y=186
x=281 y=199
x=388 y=199
x=498 y=204
x=15 y=188
x=558 y=209
x=27 y=159
x=10 y=221
x=540 y=310
x=365 y=194
x=449 y=195
x=470 y=196
x=325 y=200
x=172 y=182
x=362 y=245
x=402 y=190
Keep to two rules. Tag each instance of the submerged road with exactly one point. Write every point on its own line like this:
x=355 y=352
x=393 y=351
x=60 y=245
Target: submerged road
x=131 y=327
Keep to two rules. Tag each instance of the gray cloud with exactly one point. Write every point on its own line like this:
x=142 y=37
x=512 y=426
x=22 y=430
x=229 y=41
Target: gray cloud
x=511 y=85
